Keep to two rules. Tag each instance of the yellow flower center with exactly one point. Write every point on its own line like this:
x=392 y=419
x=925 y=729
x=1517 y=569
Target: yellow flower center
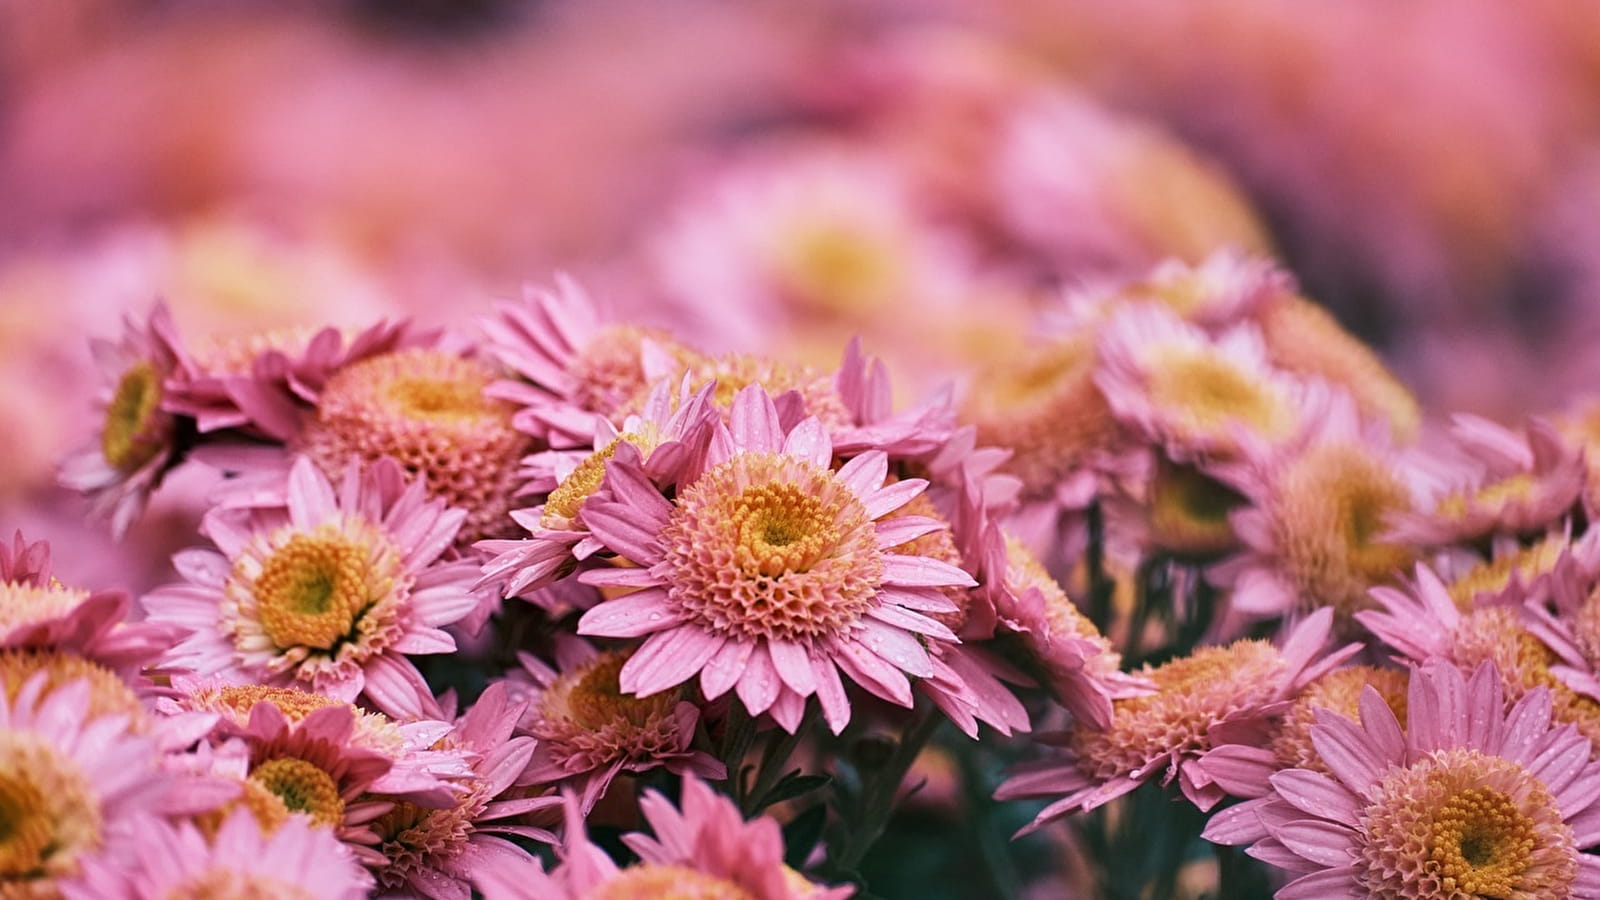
x=836 y=268
x=1189 y=511
x=768 y=545
x=1460 y=823
x=131 y=435
x=303 y=788
x=654 y=881
x=312 y=589
x=26 y=604
x=562 y=506
x=1330 y=509
x=1208 y=392
x=1494 y=495
x=240 y=699
x=1491 y=577
x=48 y=814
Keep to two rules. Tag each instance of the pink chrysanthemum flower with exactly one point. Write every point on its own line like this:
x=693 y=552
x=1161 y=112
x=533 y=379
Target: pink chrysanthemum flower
x=294 y=861
x=268 y=382
x=800 y=391
x=1075 y=662
x=427 y=409
x=574 y=362
x=1210 y=698
x=589 y=731
x=1195 y=395
x=1222 y=291
x=1529 y=652
x=1503 y=483
x=813 y=238
x=71 y=785
x=767 y=572
x=435 y=852
x=1315 y=532
x=706 y=852
x=1469 y=800
x=304 y=755
x=331 y=594
x=660 y=440
x=137 y=443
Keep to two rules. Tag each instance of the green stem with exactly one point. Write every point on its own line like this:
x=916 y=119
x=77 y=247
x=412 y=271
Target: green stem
x=877 y=801
x=1100 y=587
x=739 y=733
x=780 y=745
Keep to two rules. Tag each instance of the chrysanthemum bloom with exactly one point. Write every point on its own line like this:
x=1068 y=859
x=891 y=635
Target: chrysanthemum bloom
x=706 y=852
x=1315 y=531
x=267 y=382
x=1182 y=511
x=434 y=852
x=334 y=598
x=427 y=409
x=660 y=439
x=1529 y=653
x=589 y=731
x=1243 y=769
x=1215 y=696
x=294 y=861
x=1303 y=338
x=1504 y=483
x=304 y=755
x=1193 y=395
x=70 y=784
x=138 y=439
x=1042 y=403
x=1077 y=663
x=815 y=238
x=1469 y=800
x=801 y=391
x=1226 y=289
x=1517 y=571
x=767 y=572
x=575 y=363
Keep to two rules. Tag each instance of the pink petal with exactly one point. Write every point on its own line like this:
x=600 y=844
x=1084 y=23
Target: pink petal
x=632 y=615
x=922 y=571
x=668 y=659
x=793 y=666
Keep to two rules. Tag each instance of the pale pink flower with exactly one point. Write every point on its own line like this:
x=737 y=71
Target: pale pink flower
x=1499 y=483
x=268 y=382
x=331 y=594
x=767 y=573
x=434 y=852
x=1213 y=697
x=430 y=410
x=75 y=784
x=138 y=440
x=660 y=439
x=1315 y=531
x=574 y=363
x=1195 y=395
x=1470 y=799
x=589 y=732
x=294 y=861
x=707 y=851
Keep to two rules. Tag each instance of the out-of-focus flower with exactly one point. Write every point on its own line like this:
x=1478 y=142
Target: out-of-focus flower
x=75 y=785
x=1315 y=531
x=331 y=593
x=705 y=851
x=1193 y=395
x=294 y=861
x=1470 y=799
x=768 y=573
x=138 y=439
x=1213 y=697
x=1502 y=483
